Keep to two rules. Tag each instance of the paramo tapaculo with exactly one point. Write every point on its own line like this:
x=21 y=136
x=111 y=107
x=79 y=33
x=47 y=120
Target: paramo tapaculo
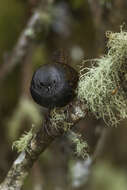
x=53 y=85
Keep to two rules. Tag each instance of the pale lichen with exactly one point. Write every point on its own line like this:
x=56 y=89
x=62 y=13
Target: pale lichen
x=58 y=118
x=22 y=144
x=103 y=87
x=81 y=146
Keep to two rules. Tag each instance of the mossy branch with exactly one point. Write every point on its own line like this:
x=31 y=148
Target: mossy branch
x=102 y=90
x=103 y=87
x=39 y=140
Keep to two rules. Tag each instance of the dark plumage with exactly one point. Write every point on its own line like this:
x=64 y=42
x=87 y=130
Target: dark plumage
x=53 y=85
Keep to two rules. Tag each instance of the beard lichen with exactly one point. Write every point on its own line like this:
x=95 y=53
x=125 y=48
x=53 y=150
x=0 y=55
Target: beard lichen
x=59 y=118
x=103 y=87
x=81 y=146
x=22 y=144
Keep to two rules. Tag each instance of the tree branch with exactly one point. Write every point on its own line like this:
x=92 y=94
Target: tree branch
x=40 y=140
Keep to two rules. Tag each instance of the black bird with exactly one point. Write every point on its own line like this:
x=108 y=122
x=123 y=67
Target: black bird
x=53 y=85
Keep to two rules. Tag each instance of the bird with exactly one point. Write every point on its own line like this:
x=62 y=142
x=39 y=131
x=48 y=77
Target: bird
x=54 y=84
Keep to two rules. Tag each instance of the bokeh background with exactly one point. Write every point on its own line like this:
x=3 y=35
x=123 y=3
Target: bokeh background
x=78 y=27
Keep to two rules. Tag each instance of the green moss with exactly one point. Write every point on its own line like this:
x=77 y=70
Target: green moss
x=102 y=87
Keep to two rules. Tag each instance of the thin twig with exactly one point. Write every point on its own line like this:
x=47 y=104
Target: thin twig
x=39 y=21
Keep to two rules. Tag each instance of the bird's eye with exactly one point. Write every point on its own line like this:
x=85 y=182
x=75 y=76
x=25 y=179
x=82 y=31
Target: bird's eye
x=42 y=84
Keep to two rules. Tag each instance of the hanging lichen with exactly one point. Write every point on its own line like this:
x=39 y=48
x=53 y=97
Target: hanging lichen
x=103 y=87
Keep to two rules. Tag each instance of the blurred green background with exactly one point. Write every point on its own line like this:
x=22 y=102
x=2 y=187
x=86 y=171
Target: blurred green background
x=78 y=27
